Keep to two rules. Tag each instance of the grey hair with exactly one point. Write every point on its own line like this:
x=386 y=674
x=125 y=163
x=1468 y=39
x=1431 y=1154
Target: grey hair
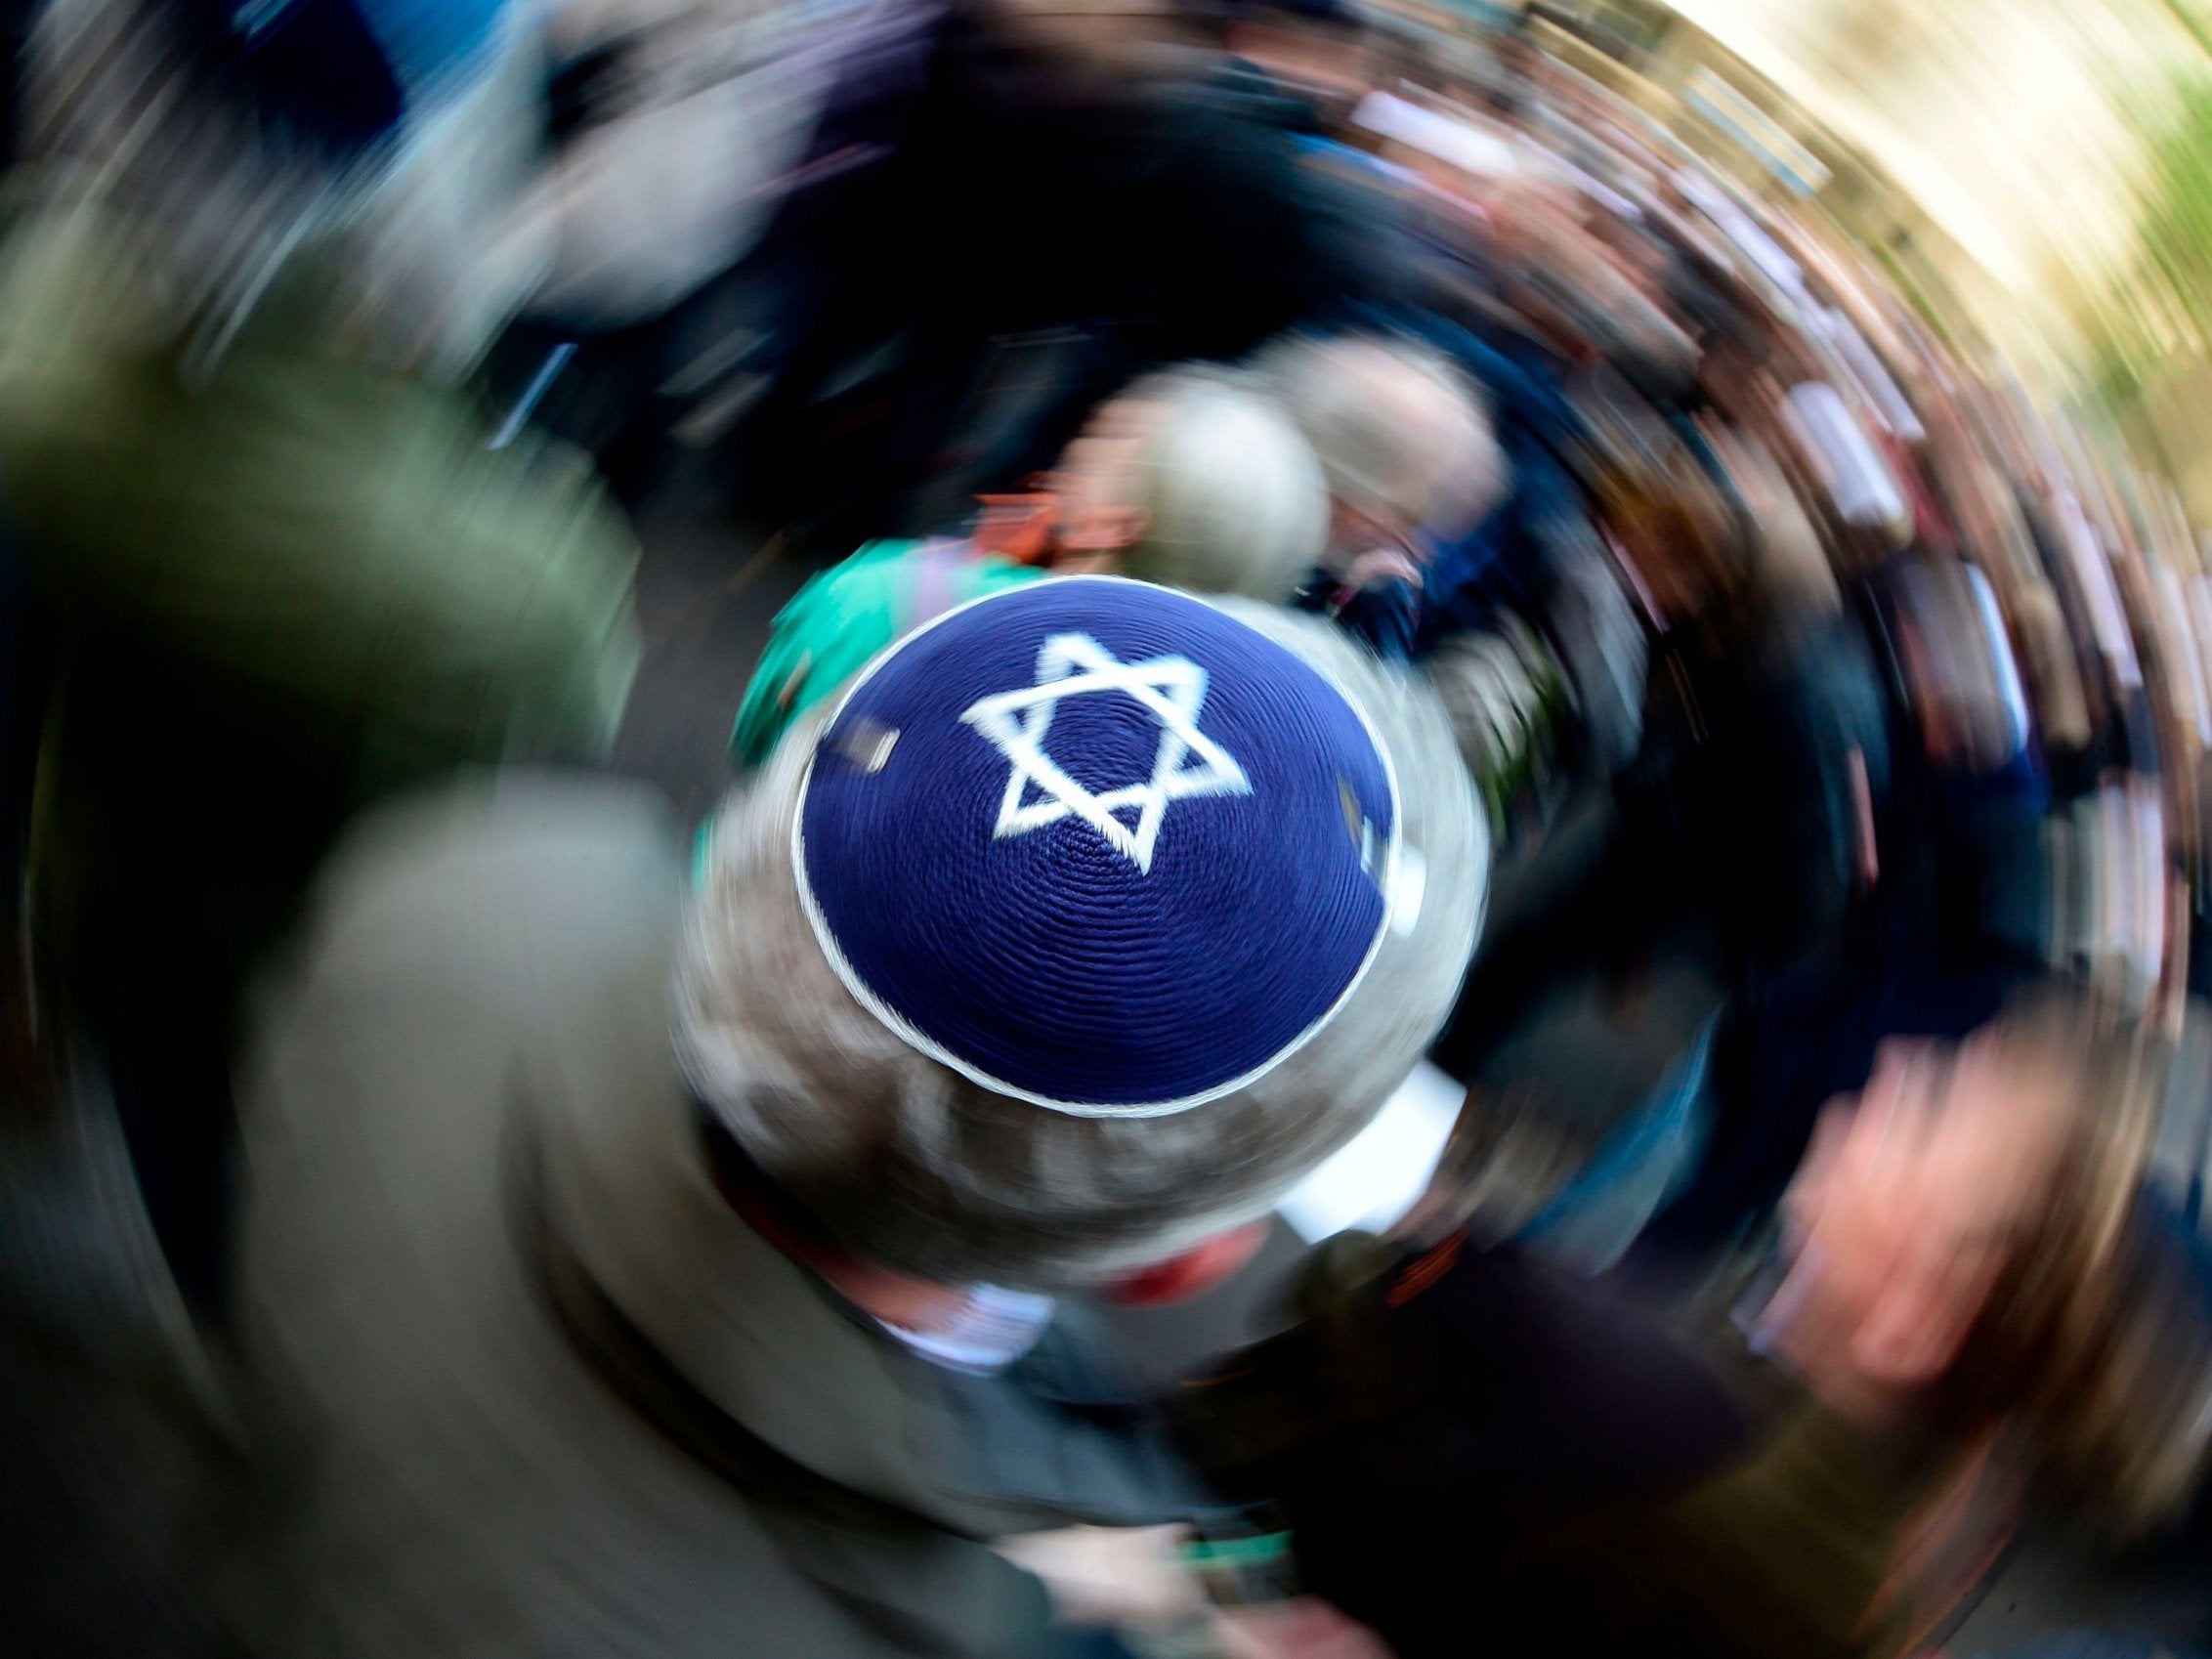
x=906 y=1163
x=1401 y=435
x=1232 y=497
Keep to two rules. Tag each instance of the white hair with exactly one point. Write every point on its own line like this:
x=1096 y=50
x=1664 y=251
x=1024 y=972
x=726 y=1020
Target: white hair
x=1232 y=497
x=1400 y=434
x=910 y=1164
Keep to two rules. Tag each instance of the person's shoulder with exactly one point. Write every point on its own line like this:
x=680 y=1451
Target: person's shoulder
x=523 y=874
x=842 y=615
x=848 y=613
x=865 y=580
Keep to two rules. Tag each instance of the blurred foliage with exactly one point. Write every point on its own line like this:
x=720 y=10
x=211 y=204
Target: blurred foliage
x=2156 y=324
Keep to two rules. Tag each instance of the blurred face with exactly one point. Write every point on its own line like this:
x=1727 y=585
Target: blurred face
x=1096 y=481
x=1115 y=37
x=1908 y=1207
x=1333 y=71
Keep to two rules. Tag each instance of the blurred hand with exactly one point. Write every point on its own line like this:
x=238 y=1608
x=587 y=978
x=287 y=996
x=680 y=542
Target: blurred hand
x=1110 y=1575
x=1307 y=1627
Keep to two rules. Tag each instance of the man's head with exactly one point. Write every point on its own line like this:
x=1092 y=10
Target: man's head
x=1118 y=40
x=1316 y=47
x=1401 y=438
x=1091 y=919
x=1916 y=1197
x=1192 y=478
x=1964 y=1248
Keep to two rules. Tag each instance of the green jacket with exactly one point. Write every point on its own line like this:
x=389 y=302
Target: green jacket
x=843 y=618
x=279 y=589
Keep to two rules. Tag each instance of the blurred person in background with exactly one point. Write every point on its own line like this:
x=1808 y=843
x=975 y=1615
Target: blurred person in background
x=1090 y=920
x=1190 y=478
x=678 y=134
x=1133 y=214
x=1404 y=446
x=1413 y=467
x=285 y=566
x=1565 y=275
x=677 y=127
x=1888 y=875
x=1972 y=1302
x=1299 y=63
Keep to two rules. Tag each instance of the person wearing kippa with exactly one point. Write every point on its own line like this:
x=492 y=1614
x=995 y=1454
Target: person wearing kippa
x=673 y=1265
x=1189 y=477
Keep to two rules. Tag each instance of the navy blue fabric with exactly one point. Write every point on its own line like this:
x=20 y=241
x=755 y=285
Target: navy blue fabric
x=314 y=69
x=1387 y=614
x=1045 y=960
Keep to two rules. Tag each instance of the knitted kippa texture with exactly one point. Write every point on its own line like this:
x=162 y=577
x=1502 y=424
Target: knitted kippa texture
x=1085 y=923
x=1098 y=847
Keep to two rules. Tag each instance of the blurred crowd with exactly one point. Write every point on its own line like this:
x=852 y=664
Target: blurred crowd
x=1461 y=912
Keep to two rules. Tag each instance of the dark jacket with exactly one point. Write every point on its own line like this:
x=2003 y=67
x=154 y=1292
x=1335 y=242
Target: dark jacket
x=1474 y=1452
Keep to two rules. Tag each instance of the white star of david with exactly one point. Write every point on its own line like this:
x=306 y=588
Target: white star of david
x=1172 y=688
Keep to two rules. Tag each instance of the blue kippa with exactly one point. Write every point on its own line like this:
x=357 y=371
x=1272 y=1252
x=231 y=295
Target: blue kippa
x=1098 y=845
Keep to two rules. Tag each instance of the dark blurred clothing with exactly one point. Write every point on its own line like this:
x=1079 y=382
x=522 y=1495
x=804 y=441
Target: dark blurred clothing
x=1955 y=919
x=1018 y=235
x=2093 y=1644
x=1474 y=1454
x=1461 y=1376
x=1377 y=599
x=1765 y=804
x=1749 y=795
x=16 y=18
x=1265 y=97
